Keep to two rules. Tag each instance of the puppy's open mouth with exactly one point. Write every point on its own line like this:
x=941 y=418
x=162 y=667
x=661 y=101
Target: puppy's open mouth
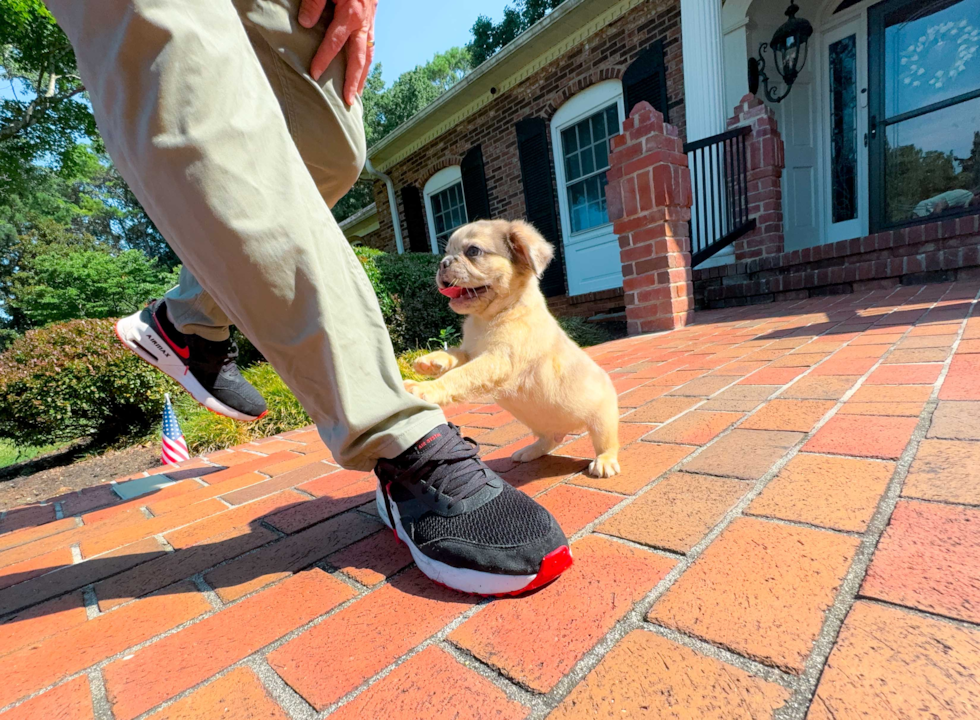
x=454 y=292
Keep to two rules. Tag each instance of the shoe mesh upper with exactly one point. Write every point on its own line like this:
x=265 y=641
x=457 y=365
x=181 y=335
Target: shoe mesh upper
x=509 y=519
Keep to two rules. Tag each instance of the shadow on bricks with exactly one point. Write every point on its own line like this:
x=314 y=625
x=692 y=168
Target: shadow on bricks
x=237 y=554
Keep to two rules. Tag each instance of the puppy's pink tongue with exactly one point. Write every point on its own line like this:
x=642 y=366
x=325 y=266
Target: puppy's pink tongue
x=451 y=292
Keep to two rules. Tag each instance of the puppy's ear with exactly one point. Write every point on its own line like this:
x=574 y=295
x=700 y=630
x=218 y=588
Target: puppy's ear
x=529 y=247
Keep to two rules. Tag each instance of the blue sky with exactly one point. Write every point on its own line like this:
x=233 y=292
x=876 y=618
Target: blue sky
x=410 y=33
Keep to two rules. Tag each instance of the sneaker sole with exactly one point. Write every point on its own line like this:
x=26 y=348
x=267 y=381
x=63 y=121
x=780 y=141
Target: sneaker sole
x=140 y=338
x=476 y=582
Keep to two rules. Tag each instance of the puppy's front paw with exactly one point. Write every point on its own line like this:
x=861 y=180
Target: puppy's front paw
x=604 y=466
x=527 y=454
x=434 y=364
x=427 y=391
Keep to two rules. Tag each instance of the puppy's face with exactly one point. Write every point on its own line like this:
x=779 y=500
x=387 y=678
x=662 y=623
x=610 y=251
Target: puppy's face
x=490 y=261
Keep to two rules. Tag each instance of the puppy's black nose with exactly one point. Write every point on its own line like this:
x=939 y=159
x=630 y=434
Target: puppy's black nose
x=446 y=262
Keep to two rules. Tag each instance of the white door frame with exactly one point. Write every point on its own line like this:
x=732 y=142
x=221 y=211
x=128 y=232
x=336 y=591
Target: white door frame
x=852 y=22
x=579 y=107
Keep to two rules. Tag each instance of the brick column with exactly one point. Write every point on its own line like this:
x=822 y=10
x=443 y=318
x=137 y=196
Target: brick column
x=765 y=170
x=649 y=202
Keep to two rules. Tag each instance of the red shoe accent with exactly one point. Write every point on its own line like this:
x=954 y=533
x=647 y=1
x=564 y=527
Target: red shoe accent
x=554 y=564
x=183 y=352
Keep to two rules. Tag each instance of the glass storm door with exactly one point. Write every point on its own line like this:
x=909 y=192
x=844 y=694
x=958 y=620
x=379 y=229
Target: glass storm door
x=846 y=108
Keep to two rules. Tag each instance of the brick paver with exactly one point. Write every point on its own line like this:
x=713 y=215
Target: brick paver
x=678 y=512
x=705 y=585
x=890 y=664
x=929 y=558
x=831 y=492
x=769 y=606
x=646 y=675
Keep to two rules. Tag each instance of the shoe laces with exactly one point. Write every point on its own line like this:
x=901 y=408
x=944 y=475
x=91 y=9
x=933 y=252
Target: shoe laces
x=450 y=466
x=211 y=356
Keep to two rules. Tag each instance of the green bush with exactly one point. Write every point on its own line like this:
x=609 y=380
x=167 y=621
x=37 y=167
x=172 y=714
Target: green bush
x=205 y=431
x=73 y=380
x=413 y=309
x=584 y=333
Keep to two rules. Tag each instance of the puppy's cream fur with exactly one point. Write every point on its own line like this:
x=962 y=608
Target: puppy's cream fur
x=513 y=349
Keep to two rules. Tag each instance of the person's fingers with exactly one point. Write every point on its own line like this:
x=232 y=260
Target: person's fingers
x=370 y=59
x=357 y=52
x=310 y=12
x=333 y=41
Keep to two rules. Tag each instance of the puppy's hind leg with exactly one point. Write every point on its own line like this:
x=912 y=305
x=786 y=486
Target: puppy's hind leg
x=604 y=432
x=540 y=447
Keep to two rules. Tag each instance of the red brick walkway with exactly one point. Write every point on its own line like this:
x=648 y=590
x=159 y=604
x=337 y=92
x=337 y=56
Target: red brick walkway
x=796 y=533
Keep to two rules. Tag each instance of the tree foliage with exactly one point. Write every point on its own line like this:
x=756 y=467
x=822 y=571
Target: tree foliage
x=490 y=37
x=387 y=108
x=46 y=115
x=67 y=284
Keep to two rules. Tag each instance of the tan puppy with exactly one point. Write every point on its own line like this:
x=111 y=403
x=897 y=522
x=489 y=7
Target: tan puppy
x=513 y=349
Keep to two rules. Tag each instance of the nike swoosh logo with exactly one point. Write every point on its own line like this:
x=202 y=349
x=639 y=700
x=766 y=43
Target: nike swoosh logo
x=183 y=352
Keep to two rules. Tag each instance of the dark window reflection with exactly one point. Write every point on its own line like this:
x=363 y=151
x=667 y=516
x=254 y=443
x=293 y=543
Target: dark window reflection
x=932 y=163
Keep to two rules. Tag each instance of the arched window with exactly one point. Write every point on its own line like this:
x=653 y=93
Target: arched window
x=580 y=134
x=445 y=206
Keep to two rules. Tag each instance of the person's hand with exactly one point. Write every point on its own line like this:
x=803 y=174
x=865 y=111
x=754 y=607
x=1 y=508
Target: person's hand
x=353 y=26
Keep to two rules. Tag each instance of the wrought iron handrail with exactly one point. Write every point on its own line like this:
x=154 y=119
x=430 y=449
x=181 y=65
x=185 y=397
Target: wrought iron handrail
x=719 y=180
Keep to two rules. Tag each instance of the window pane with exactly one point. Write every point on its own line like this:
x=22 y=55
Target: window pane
x=572 y=168
x=584 y=134
x=612 y=120
x=843 y=129
x=930 y=53
x=568 y=141
x=580 y=218
x=932 y=163
x=588 y=162
x=602 y=155
x=598 y=126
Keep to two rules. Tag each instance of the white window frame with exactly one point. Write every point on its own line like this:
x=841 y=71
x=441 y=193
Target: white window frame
x=586 y=103
x=442 y=180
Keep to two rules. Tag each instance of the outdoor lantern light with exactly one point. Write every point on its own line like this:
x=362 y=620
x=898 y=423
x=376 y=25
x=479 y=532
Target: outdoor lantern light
x=789 y=44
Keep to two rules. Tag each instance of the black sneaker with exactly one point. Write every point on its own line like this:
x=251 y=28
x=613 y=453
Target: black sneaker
x=206 y=369
x=466 y=527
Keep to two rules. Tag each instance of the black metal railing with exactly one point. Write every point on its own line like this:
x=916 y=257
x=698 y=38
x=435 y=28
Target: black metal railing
x=719 y=180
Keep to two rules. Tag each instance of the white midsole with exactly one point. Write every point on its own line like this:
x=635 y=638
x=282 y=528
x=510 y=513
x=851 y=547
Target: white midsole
x=132 y=330
x=463 y=579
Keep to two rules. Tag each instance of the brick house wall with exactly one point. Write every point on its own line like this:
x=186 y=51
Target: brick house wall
x=604 y=55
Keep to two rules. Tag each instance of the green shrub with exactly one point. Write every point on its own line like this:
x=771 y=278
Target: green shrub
x=584 y=333
x=405 y=361
x=205 y=431
x=73 y=380
x=413 y=309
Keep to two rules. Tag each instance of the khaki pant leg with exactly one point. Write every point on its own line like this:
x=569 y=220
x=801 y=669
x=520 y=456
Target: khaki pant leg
x=193 y=125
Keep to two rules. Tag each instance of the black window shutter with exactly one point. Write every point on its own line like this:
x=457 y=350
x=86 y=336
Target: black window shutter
x=539 y=197
x=475 y=185
x=418 y=233
x=646 y=79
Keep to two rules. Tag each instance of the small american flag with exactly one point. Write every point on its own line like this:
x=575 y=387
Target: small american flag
x=174 y=445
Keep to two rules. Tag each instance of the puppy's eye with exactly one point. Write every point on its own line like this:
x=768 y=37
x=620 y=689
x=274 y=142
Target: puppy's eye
x=473 y=251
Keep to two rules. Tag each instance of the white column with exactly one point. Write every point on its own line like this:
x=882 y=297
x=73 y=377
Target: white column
x=704 y=74
x=704 y=108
